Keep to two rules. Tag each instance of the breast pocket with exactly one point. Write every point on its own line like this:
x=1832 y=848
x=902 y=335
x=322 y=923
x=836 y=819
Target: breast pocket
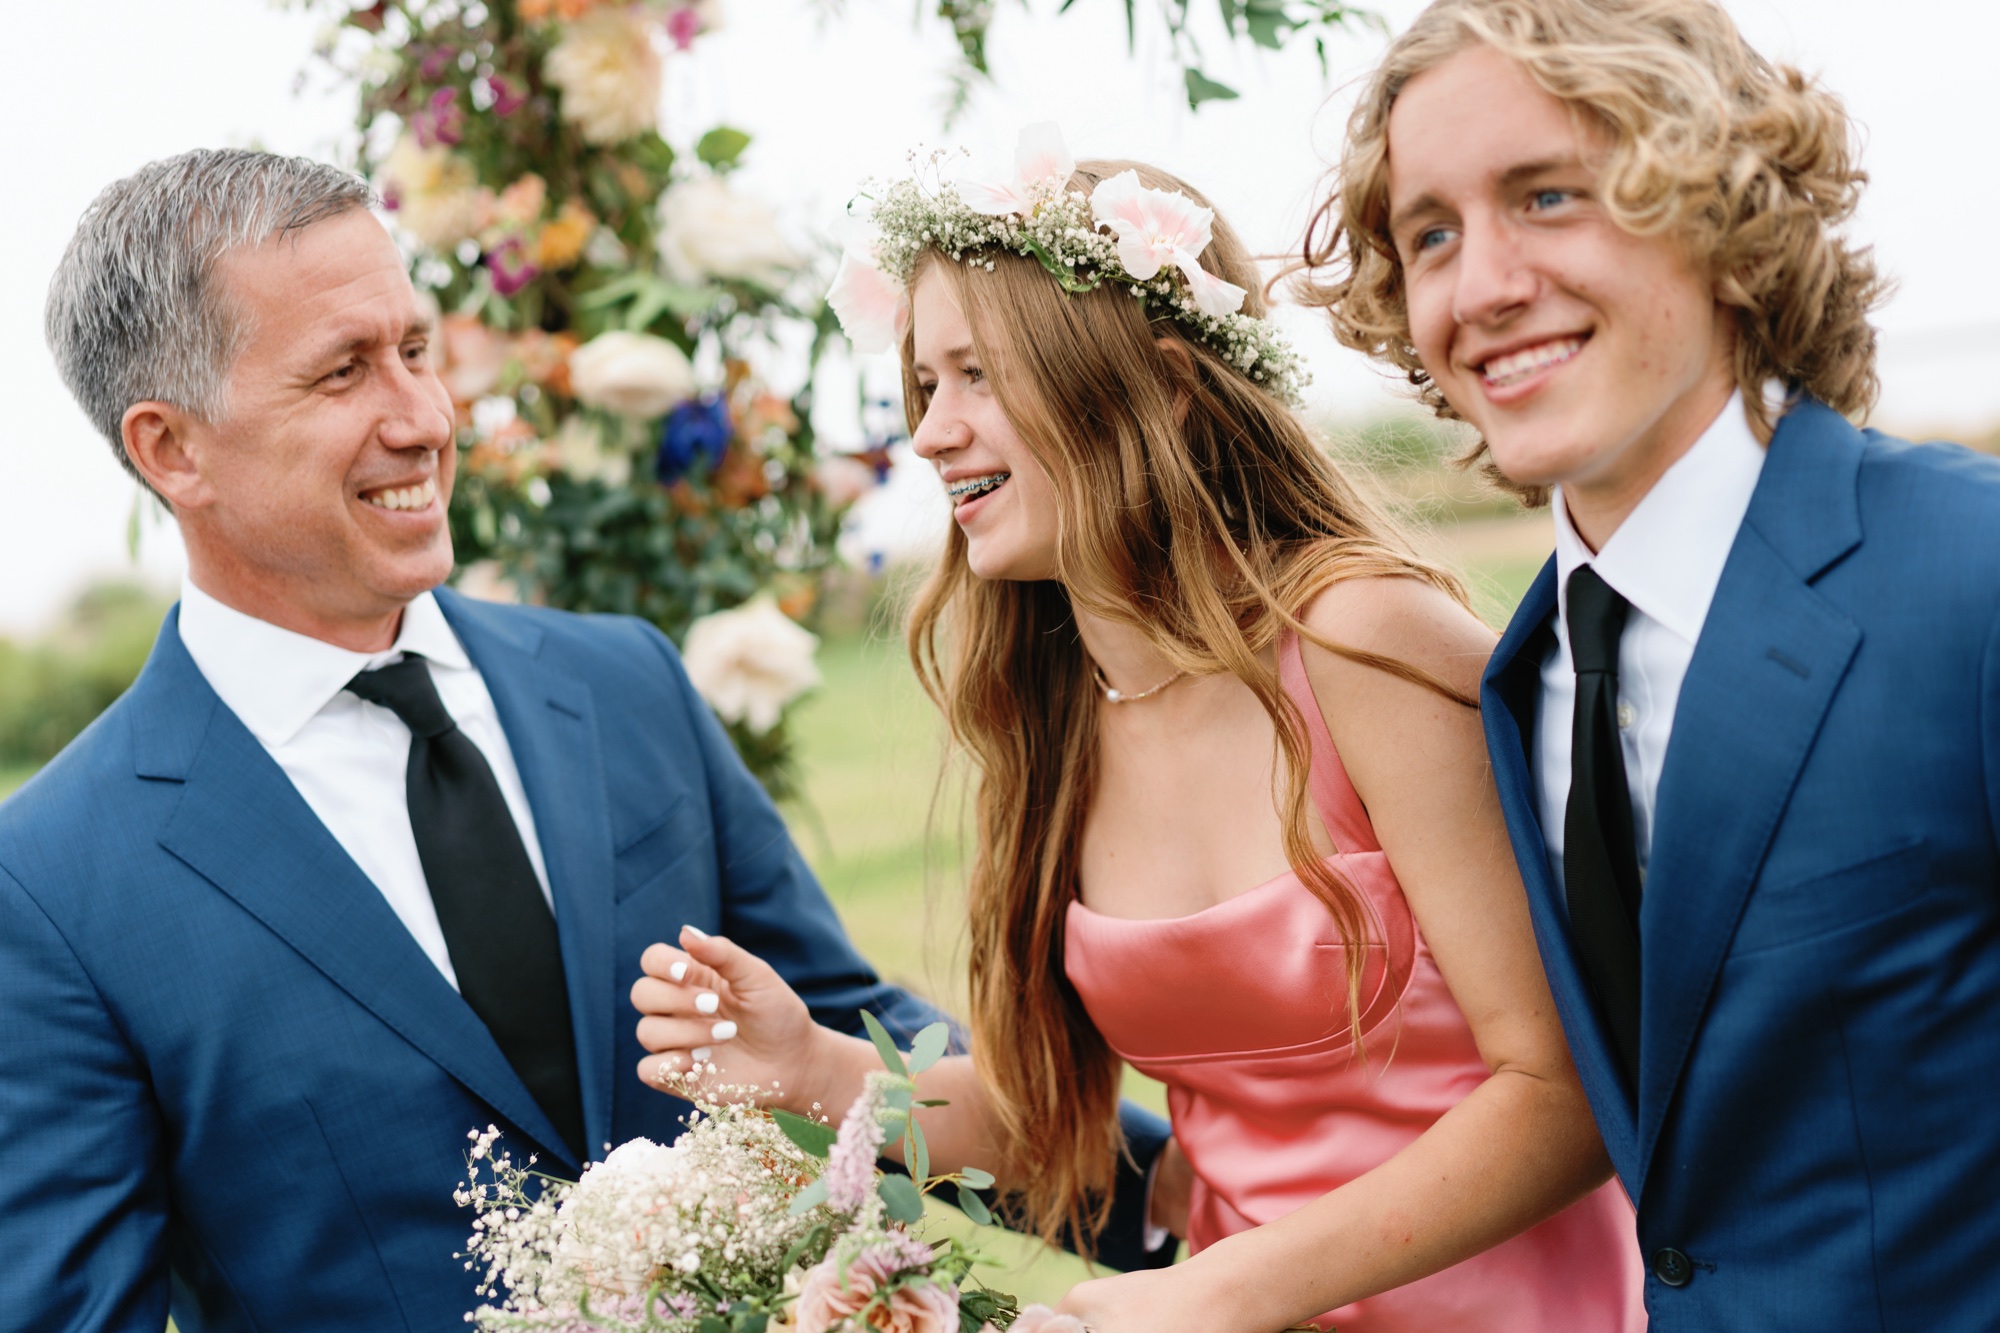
x=1801 y=909
x=669 y=846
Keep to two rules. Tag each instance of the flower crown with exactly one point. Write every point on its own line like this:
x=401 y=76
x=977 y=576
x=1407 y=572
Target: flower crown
x=1148 y=240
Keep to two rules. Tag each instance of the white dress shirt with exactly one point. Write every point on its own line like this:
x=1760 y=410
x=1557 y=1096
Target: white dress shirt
x=348 y=758
x=1665 y=559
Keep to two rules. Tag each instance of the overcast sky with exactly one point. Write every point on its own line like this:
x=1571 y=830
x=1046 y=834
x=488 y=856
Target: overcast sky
x=102 y=86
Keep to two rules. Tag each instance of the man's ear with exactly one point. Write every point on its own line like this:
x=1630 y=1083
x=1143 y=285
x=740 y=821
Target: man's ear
x=157 y=440
x=1177 y=352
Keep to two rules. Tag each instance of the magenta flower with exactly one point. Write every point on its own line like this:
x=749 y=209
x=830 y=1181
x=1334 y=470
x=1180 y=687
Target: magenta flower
x=507 y=99
x=683 y=25
x=441 y=121
x=435 y=63
x=511 y=268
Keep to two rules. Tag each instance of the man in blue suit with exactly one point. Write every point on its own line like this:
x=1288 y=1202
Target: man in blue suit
x=358 y=865
x=1746 y=724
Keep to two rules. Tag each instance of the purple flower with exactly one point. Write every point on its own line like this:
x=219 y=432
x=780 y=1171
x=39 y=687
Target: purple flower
x=435 y=63
x=507 y=99
x=441 y=121
x=697 y=426
x=682 y=26
x=511 y=268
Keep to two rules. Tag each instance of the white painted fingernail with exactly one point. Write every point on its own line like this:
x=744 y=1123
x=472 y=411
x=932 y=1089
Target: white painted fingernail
x=696 y=931
x=707 y=1002
x=699 y=1054
x=723 y=1031
x=678 y=971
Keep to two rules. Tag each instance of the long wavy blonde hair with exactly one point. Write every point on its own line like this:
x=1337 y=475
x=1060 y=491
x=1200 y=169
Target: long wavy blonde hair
x=1750 y=164
x=1191 y=504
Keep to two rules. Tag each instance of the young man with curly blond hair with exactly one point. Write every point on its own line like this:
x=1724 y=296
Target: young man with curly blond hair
x=1746 y=723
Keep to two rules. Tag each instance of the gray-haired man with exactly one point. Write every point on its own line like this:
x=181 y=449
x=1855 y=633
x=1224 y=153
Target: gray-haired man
x=251 y=998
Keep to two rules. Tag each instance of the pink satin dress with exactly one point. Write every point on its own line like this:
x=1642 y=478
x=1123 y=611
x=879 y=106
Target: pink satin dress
x=1241 y=1011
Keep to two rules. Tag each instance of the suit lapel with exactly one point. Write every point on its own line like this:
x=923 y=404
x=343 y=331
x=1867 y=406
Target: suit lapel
x=1510 y=699
x=550 y=721
x=243 y=827
x=1770 y=659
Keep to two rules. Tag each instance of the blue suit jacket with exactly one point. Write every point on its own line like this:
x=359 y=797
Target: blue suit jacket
x=1815 y=1125
x=223 y=1058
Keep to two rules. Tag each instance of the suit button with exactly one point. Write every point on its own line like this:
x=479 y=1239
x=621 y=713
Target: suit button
x=1672 y=1267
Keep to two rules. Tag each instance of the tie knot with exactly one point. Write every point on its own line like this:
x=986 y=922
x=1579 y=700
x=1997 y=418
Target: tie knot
x=1596 y=619
x=405 y=688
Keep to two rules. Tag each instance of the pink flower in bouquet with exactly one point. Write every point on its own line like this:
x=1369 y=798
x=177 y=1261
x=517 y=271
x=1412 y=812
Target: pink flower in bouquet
x=826 y=1301
x=511 y=268
x=507 y=99
x=440 y=122
x=1041 y=1319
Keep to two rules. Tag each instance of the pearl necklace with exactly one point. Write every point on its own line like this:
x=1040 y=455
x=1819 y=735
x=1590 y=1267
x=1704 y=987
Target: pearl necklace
x=1117 y=696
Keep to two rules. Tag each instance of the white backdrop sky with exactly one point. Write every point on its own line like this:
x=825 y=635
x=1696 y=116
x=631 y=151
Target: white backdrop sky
x=102 y=86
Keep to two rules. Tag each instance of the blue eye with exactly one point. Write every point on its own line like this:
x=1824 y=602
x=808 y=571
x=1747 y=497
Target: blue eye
x=1432 y=238
x=1549 y=198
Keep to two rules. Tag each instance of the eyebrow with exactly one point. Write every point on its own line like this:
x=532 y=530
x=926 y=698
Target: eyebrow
x=951 y=354
x=1512 y=176
x=418 y=326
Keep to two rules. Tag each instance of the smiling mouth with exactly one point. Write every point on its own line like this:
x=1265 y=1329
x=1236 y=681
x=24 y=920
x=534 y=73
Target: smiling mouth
x=971 y=488
x=1504 y=371
x=399 y=498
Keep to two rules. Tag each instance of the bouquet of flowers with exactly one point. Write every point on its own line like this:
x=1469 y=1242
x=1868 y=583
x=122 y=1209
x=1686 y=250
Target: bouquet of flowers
x=753 y=1221
x=629 y=336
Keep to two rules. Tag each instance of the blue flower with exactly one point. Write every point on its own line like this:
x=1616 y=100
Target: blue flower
x=696 y=426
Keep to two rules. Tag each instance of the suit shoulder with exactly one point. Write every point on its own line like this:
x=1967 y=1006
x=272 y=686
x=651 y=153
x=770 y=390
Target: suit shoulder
x=78 y=807
x=1939 y=472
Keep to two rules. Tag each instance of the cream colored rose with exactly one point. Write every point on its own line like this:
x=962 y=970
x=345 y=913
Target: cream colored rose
x=438 y=200
x=750 y=662
x=634 y=374
x=609 y=75
x=708 y=230
x=580 y=453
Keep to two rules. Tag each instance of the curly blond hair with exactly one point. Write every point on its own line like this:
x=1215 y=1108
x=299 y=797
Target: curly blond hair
x=1750 y=164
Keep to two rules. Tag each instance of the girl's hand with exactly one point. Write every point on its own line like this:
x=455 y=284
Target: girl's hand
x=1161 y=1300
x=710 y=1003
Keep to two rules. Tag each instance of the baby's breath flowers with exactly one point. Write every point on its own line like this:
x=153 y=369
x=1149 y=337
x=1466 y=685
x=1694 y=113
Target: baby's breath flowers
x=1145 y=240
x=752 y=1220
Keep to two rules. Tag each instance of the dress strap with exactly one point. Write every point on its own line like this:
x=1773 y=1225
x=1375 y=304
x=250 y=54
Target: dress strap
x=1333 y=794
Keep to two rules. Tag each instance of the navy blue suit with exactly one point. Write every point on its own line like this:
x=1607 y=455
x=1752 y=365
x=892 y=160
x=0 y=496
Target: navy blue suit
x=223 y=1058
x=1814 y=1142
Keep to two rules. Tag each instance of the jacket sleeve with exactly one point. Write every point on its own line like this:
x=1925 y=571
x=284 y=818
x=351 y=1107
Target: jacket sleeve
x=773 y=906
x=1989 y=725
x=83 y=1215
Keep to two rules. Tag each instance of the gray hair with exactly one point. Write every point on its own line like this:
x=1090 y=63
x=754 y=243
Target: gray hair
x=135 y=313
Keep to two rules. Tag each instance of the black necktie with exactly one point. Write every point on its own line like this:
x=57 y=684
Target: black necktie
x=1600 y=860
x=497 y=926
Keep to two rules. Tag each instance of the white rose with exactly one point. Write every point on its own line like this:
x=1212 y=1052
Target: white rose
x=708 y=230
x=609 y=75
x=750 y=662
x=634 y=374
x=580 y=453
x=438 y=200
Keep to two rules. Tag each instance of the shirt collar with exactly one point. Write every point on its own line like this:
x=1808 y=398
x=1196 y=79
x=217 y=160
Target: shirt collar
x=1666 y=558
x=276 y=680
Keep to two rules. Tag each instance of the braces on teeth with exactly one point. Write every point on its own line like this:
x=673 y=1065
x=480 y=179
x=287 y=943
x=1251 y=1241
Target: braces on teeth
x=974 y=486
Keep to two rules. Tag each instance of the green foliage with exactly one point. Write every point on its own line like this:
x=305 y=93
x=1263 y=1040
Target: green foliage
x=53 y=688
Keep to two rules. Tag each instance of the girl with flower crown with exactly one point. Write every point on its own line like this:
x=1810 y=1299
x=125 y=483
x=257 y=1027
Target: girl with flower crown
x=1235 y=825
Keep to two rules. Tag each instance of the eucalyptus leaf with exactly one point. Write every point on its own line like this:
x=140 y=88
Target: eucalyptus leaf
x=973 y=1176
x=810 y=1135
x=885 y=1045
x=721 y=146
x=1268 y=28
x=917 y=1151
x=974 y=1207
x=809 y=1198
x=1201 y=88
x=900 y=1199
x=929 y=1047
